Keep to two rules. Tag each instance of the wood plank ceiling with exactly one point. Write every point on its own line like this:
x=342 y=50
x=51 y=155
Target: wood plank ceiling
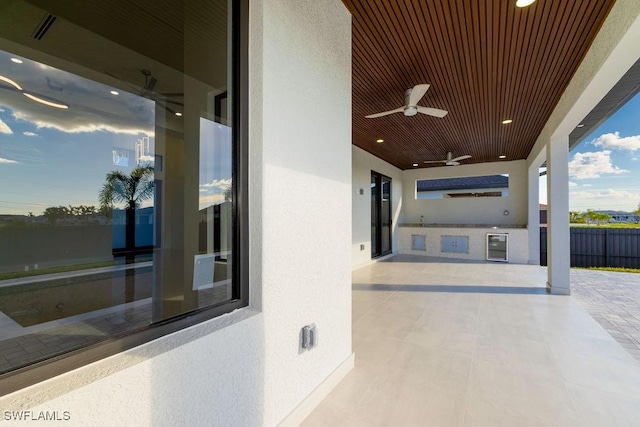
x=485 y=61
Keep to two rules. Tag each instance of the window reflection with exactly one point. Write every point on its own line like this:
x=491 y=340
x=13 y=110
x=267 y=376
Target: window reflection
x=116 y=203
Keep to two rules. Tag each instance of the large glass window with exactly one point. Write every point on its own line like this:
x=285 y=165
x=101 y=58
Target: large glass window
x=120 y=170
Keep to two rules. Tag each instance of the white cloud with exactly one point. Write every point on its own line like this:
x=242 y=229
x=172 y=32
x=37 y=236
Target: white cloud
x=605 y=194
x=6 y=161
x=4 y=128
x=587 y=185
x=29 y=134
x=592 y=165
x=77 y=123
x=613 y=140
x=222 y=184
x=572 y=184
x=146 y=159
x=91 y=107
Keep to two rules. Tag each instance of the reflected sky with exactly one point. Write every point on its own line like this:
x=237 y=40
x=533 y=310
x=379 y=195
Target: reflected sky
x=215 y=162
x=59 y=157
x=51 y=156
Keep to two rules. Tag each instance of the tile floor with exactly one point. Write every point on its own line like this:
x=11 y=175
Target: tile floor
x=476 y=344
x=613 y=300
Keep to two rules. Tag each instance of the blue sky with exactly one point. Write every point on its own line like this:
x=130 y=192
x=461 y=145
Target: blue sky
x=59 y=157
x=604 y=169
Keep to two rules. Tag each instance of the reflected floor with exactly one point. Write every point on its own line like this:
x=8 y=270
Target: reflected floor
x=442 y=342
x=28 y=342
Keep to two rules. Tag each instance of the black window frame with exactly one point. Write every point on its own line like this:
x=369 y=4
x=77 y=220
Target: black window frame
x=46 y=369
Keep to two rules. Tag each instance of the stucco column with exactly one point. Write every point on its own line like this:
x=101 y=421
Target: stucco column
x=558 y=255
x=533 y=221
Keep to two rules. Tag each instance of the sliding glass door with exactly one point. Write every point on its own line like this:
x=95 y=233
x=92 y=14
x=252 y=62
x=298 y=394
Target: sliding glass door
x=380 y=215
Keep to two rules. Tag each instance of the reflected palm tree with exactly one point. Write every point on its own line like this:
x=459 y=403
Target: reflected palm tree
x=131 y=190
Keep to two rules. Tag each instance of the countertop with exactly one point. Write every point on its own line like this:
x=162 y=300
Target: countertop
x=492 y=226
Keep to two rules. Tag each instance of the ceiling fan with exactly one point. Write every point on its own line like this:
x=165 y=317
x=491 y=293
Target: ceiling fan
x=412 y=97
x=147 y=91
x=450 y=160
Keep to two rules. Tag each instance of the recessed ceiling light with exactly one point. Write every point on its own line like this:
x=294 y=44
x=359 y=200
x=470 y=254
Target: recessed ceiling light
x=506 y=121
x=524 y=3
x=581 y=125
x=114 y=92
x=16 y=60
x=379 y=140
x=178 y=113
x=415 y=164
x=502 y=156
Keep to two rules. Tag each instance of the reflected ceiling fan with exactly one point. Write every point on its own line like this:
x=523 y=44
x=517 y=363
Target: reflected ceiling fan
x=147 y=91
x=450 y=160
x=411 y=108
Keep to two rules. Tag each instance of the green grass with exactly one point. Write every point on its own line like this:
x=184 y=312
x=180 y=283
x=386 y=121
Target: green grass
x=614 y=269
x=606 y=225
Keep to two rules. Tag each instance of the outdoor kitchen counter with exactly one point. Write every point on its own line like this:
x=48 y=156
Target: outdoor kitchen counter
x=487 y=226
x=469 y=239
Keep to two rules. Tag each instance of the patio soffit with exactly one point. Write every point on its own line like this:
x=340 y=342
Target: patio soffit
x=486 y=61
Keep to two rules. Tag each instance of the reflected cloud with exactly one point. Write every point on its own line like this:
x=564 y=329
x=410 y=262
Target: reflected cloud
x=220 y=184
x=4 y=128
x=92 y=108
x=146 y=159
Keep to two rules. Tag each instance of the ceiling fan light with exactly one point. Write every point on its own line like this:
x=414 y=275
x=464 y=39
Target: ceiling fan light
x=524 y=3
x=11 y=82
x=411 y=111
x=45 y=102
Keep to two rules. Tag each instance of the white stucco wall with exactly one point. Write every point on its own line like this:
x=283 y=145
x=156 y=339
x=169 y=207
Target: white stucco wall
x=307 y=195
x=363 y=164
x=245 y=368
x=481 y=210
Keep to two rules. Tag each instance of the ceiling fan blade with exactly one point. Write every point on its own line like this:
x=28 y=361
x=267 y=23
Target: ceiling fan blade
x=172 y=102
x=432 y=111
x=435 y=161
x=386 y=113
x=417 y=93
x=457 y=159
x=132 y=86
x=151 y=83
x=452 y=163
